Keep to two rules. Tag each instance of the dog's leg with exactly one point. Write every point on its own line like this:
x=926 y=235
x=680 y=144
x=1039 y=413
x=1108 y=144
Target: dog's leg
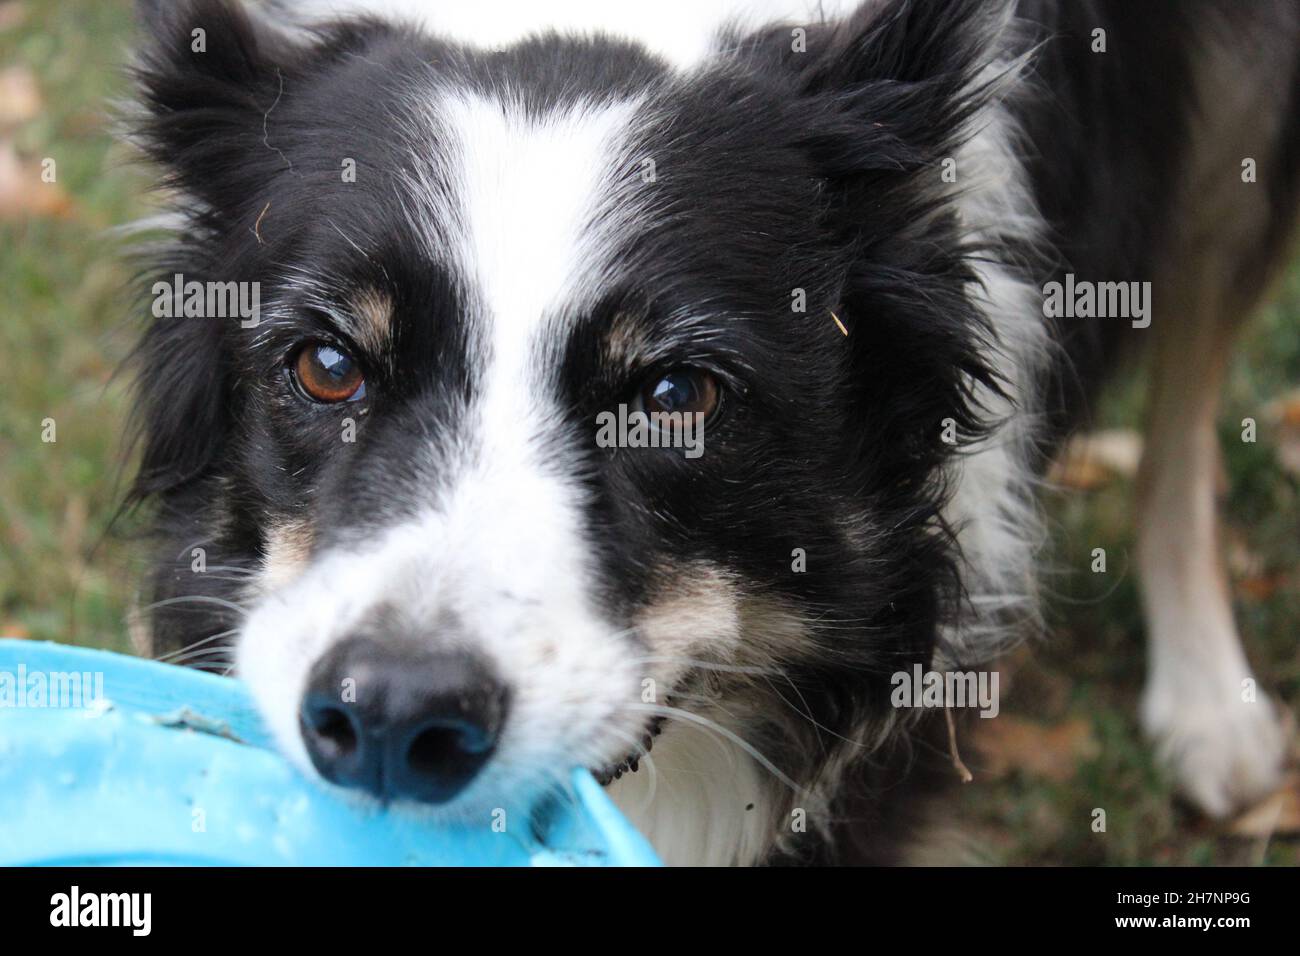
x=1226 y=242
x=1223 y=744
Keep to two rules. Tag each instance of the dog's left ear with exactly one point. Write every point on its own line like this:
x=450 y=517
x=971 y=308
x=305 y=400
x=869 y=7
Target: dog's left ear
x=882 y=100
x=894 y=85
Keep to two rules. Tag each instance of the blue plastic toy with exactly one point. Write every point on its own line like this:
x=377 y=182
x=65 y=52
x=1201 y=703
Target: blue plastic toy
x=114 y=760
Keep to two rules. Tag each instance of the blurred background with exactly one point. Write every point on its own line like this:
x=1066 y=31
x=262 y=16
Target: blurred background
x=1067 y=739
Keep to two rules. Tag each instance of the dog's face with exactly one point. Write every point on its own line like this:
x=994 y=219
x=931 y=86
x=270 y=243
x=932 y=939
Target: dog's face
x=466 y=263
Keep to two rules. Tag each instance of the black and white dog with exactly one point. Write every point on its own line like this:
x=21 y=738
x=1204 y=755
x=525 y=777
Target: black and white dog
x=828 y=237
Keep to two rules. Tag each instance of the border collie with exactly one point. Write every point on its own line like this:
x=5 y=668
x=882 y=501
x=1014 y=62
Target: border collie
x=827 y=235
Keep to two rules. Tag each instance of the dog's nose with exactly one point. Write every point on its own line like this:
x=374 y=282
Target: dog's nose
x=399 y=721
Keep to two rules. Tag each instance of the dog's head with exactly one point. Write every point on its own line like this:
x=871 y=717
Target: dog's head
x=467 y=562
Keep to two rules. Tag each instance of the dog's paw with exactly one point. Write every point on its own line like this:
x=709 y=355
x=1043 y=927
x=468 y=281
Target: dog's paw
x=1224 y=754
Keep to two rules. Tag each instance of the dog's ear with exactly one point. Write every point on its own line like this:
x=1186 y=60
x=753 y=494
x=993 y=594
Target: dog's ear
x=906 y=76
x=206 y=75
x=207 y=72
x=883 y=100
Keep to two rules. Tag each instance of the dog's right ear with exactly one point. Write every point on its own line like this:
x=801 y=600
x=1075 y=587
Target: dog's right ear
x=207 y=72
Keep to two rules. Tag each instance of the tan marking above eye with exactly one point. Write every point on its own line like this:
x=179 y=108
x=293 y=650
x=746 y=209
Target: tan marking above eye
x=374 y=313
x=626 y=342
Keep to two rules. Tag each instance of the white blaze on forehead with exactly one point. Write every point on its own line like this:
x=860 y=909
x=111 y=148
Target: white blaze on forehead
x=528 y=193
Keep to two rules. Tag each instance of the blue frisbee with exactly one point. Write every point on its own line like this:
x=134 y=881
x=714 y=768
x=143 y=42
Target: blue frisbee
x=112 y=760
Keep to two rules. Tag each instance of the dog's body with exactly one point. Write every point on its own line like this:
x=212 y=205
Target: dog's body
x=839 y=231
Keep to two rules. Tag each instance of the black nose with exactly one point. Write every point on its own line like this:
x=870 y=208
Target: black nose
x=399 y=721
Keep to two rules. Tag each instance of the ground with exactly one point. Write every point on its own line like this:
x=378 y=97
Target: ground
x=1067 y=741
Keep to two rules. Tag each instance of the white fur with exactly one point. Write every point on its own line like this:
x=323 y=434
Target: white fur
x=690 y=796
x=993 y=503
x=690 y=799
x=531 y=194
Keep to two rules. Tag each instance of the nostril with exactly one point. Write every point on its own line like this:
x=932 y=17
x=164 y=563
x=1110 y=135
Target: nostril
x=333 y=729
x=436 y=749
x=333 y=737
x=445 y=752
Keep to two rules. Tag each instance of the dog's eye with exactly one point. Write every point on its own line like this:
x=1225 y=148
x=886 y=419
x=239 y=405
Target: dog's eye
x=328 y=374
x=685 y=390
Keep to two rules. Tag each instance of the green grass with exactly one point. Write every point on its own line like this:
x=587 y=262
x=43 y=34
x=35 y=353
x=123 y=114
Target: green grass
x=62 y=336
x=63 y=332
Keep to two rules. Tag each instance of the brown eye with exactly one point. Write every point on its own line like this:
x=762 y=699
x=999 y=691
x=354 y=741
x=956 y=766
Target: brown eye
x=329 y=375
x=685 y=390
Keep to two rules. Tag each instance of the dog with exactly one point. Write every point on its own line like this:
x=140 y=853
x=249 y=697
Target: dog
x=431 y=494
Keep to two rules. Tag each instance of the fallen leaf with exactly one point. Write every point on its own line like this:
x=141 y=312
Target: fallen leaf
x=12 y=13
x=1276 y=815
x=22 y=192
x=14 y=629
x=1262 y=587
x=1052 y=752
x=1285 y=410
x=1095 y=459
x=1250 y=571
x=1284 y=415
x=20 y=98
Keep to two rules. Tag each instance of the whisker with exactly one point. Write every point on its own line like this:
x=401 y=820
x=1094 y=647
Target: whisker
x=211 y=654
x=199 y=643
x=234 y=568
x=206 y=666
x=213 y=575
x=196 y=599
x=707 y=665
x=676 y=712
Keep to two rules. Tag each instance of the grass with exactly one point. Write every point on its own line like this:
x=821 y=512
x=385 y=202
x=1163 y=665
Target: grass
x=63 y=333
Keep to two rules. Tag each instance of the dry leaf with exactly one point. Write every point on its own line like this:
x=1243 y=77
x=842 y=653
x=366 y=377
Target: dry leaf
x=1284 y=415
x=1093 y=460
x=1263 y=586
x=22 y=192
x=1285 y=411
x=1052 y=752
x=20 y=97
x=14 y=629
x=1276 y=815
x=1251 y=574
x=1243 y=561
x=12 y=13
